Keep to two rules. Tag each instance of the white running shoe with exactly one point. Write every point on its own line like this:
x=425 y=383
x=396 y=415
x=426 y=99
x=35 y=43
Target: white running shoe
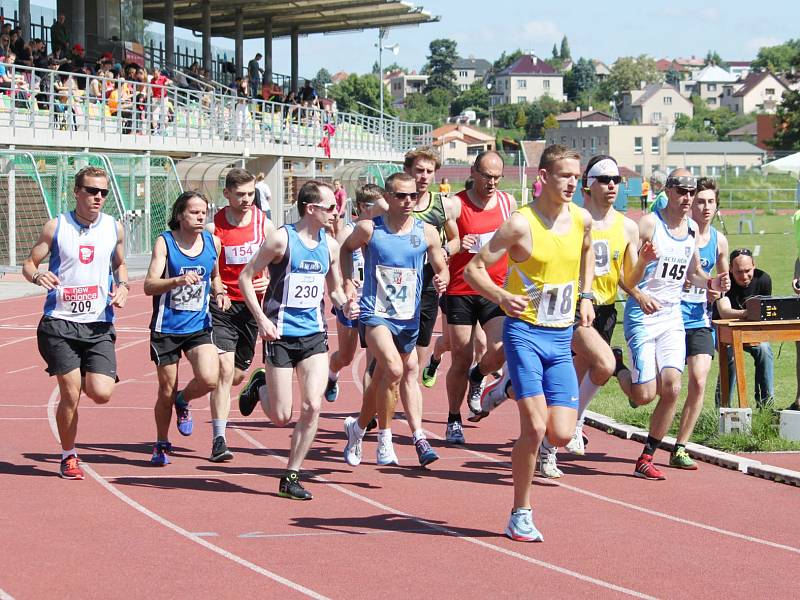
x=352 y=450
x=455 y=433
x=548 y=465
x=492 y=396
x=386 y=455
x=575 y=445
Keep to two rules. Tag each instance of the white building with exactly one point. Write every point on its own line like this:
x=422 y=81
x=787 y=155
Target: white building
x=527 y=79
x=469 y=70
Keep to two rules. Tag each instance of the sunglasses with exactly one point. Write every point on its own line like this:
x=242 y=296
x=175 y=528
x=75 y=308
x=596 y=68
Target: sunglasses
x=488 y=177
x=93 y=191
x=682 y=191
x=606 y=179
x=329 y=208
x=406 y=195
x=741 y=252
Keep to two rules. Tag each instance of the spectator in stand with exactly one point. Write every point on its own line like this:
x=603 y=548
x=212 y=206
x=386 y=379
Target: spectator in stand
x=254 y=71
x=57 y=57
x=746 y=282
x=340 y=195
x=142 y=100
x=40 y=58
x=78 y=56
x=16 y=41
x=5 y=44
x=25 y=55
x=263 y=195
x=308 y=95
x=160 y=109
x=59 y=34
x=120 y=103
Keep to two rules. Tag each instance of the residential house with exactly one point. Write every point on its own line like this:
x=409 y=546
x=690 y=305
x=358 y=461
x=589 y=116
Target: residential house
x=458 y=143
x=527 y=79
x=339 y=77
x=655 y=104
x=708 y=84
x=739 y=68
x=761 y=92
x=469 y=70
x=711 y=159
x=403 y=84
x=601 y=70
x=585 y=118
x=745 y=133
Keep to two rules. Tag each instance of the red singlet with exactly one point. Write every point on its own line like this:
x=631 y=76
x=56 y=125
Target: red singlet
x=239 y=244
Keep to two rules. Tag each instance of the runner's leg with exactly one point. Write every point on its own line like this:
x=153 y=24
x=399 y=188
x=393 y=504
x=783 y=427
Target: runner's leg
x=311 y=372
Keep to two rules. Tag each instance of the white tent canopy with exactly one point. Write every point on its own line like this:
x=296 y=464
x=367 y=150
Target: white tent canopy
x=788 y=164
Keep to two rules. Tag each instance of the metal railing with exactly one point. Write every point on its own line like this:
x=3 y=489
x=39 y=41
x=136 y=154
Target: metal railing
x=43 y=99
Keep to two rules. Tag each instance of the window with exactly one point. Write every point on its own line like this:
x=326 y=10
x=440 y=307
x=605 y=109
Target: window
x=474 y=151
x=522 y=84
x=695 y=170
x=521 y=99
x=712 y=87
x=574 y=143
x=546 y=84
x=714 y=171
x=452 y=145
x=563 y=139
x=770 y=91
x=656 y=117
x=593 y=142
x=711 y=100
x=637 y=145
x=583 y=143
x=655 y=145
x=667 y=100
x=462 y=73
x=638 y=169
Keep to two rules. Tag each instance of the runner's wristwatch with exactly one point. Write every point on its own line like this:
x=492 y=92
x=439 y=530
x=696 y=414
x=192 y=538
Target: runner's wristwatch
x=586 y=296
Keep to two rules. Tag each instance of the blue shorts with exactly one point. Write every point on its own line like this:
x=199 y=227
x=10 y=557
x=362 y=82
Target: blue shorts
x=539 y=362
x=349 y=323
x=405 y=338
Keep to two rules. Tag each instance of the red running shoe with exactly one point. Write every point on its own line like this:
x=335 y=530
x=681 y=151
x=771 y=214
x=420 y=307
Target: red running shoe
x=70 y=468
x=646 y=469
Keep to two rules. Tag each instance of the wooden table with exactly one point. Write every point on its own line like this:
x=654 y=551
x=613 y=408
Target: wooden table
x=736 y=333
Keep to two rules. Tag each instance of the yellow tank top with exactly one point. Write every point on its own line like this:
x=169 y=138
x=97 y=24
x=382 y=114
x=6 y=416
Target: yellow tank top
x=609 y=253
x=549 y=276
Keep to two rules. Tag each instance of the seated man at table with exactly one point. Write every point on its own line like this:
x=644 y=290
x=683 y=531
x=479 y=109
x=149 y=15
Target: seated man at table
x=747 y=281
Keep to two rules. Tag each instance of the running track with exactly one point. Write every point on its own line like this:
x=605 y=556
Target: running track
x=198 y=529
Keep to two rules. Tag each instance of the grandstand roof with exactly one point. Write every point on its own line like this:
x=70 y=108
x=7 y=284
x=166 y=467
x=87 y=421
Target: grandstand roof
x=308 y=16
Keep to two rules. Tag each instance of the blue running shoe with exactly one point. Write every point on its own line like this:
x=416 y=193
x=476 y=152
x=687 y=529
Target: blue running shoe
x=160 y=457
x=183 y=415
x=332 y=390
x=521 y=528
x=425 y=453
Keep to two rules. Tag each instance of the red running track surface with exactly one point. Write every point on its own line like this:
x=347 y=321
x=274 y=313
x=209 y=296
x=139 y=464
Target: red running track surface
x=199 y=529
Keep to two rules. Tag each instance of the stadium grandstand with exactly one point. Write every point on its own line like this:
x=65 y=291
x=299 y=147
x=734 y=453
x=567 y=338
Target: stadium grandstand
x=159 y=120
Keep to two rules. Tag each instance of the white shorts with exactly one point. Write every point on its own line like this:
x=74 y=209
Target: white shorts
x=655 y=347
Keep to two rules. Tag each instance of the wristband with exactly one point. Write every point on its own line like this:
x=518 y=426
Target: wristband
x=124 y=284
x=218 y=294
x=35 y=277
x=709 y=283
x=586 y=296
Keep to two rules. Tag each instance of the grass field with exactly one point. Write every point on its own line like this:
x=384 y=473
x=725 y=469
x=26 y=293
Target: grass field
x=774 y=240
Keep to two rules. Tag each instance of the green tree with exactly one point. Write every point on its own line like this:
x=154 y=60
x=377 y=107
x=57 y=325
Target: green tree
x=780 y=58
x=628 y=72
x=708 y=124
x=550 y=122
x=787 y=123
x=713 y=58
x=564 y=54
x=360 y=88
x=580 y=79
x=476 y=97
x=427 y=108
x=321 y=79
x=506 y=60
x=439 y=67
x=673 y=77
x=555 y=51
x=520 y=120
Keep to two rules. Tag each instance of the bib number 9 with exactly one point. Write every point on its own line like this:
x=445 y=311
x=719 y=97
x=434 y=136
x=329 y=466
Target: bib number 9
x=602 y=258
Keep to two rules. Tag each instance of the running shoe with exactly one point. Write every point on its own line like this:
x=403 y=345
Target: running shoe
x=548 y=465
x=680 y=459
x=474 y=392
x=619 y=357
x=332 y=390
x=183 y=415
x=429 y=375
x=646 y=469
x=352 y=450
x=219 y=451
x=575 y=444
x=492 y=396
x=161 y=451
x=455 y=433
x=521 y=528
x=290 y=487
x=70 y=469
x=248 y=397
x=386 y=455
x=425 y=453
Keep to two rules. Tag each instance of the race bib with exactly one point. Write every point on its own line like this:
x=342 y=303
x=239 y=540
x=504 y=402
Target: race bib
x=695 y=295
x=239 y=255
x=482 y=239
x=305 y=290
x=358 y=274
x=557 y=304
x=188 y=297
x=396 y=296
x=671 y=268
x=78 y=300
x=602 y=257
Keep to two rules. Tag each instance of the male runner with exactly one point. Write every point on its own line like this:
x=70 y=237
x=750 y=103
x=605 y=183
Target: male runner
x=76 y=334
x=656 y=340
x=484 y=209
x=551 y=264
x=241 y=228
x=615 y=239
x=181 y=278
x=695 y=307
x=301 y=259
x=394 y=246
x=347 y=329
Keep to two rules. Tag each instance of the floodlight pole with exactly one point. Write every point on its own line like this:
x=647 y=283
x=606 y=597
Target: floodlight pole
x=395 y=49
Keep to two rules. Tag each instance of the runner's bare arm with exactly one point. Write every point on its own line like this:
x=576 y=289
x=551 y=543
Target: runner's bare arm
x=586 y=307
x=40 y=250
x=358 y=238
x=631 y=230
x=217 y=287
x=272 y=250
x=646 y=253
x=120 y=268
x=510 y=234
x=334 y=279
x=722 y=266
x=697 y=276
x=441 y=275
x=210 y=228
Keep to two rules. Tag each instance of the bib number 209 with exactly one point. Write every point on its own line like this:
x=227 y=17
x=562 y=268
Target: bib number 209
x=80 y=307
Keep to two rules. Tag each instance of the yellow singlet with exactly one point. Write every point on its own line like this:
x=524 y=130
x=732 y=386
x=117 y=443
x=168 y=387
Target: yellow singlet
x=609 y=253
x=549 y=276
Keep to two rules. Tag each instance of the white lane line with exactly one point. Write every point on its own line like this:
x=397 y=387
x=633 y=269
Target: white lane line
x=18 y=340
x=4 y=595
x=173 y=526
x=211 y=475
x=450 y=532
x=23 y=418
x=139 y=314
x=21 y=370
x=261 y=535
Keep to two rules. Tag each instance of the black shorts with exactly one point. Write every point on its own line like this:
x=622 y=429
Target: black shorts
x=428 y=313
x=699 y=341
x=605 y=319
x=166 y=348
x=469 y=310
x=235 y=330
x=66 y=346
x=287 y=352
